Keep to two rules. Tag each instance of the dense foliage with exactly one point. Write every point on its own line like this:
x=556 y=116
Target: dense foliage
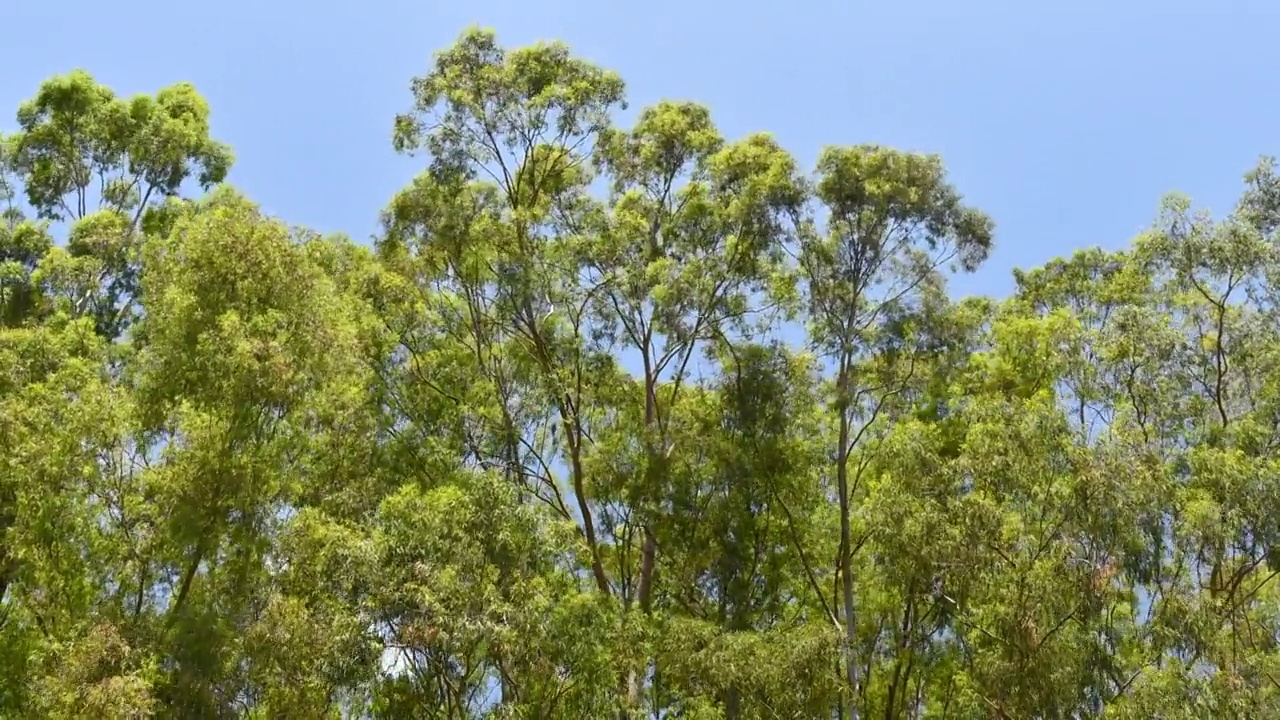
x=616 y=422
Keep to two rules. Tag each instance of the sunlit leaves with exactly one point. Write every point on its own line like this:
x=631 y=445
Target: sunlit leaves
x=616 y=421
x=76 y=134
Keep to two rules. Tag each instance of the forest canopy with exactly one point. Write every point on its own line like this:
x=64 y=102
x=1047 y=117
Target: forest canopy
x=616 y=421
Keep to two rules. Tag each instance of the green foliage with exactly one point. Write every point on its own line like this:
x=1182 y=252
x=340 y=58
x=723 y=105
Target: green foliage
x=540 y=452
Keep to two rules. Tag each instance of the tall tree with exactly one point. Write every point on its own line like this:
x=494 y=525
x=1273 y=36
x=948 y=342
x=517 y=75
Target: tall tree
x=893 y=222
x=77 y=140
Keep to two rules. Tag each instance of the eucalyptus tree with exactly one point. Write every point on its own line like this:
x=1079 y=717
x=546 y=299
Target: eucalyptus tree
x=893 y=223
x=552 y=283
x=77 y=140
x=487 y=237
x=68 y=421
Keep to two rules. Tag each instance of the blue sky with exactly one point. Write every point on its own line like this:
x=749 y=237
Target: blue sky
x=1065 y=121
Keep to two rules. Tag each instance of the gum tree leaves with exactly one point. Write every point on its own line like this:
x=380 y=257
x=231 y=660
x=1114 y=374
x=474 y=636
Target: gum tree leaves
x=615 y=419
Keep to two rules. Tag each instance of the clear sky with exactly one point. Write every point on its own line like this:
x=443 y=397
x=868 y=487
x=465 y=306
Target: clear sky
x=1065 y=121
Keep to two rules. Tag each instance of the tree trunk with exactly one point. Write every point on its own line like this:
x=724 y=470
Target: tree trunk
x=846 y=542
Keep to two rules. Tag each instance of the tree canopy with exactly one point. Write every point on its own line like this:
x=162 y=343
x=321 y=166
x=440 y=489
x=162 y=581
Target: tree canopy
x=616 y=422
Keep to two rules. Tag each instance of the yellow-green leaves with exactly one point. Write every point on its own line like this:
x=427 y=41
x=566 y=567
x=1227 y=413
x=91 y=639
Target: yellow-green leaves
x=484 y=109
x=22 y=245
x=616 y=422
x=875 y=191
x=75 y=132
x=893 y=223
x=107 y=166
x=235 y=312
x=668 y=140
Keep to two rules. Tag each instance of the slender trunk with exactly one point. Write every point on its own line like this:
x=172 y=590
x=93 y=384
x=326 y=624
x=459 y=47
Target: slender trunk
x=650 y=547
x=188 y=578
x=735 y=622
x=571 y=422
x=7 y=568
x=644 y=593
x=648 y=551
x=506 y=697
x=839 y=699
x=7 y=563
x=846 y=541
x=897 y=681
x=143 y=580
x=574 y=439
x=731 y=703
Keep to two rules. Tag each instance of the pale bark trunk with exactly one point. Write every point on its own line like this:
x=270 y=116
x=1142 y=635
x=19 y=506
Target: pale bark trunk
x=846 y=543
